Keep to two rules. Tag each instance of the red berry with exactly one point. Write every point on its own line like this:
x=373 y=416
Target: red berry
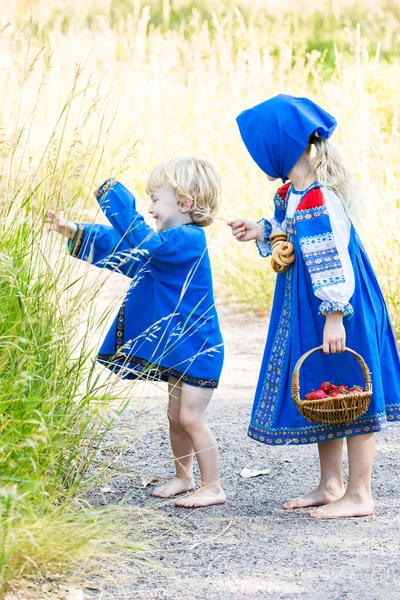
x=343 y=389
x=356 y=388
x=332 y=388
x=335 y=393
x=318 y=395
x=325 y=386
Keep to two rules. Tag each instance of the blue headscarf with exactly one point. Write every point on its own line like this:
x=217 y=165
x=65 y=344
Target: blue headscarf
x=276 y=132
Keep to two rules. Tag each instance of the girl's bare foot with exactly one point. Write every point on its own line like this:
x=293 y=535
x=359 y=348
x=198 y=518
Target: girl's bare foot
x=203 y=497
x=347 y=506
x=320 y=496
x=174 y=487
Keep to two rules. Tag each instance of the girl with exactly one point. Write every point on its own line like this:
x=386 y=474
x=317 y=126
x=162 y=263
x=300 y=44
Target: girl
x=329 y=295
x=167 y=328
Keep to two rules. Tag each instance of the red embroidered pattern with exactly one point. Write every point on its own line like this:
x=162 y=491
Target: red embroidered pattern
x=312 y=199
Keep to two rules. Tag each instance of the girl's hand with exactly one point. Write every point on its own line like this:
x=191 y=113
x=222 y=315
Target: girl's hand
x=334 y=333
x=245 y=230
x=60 y=224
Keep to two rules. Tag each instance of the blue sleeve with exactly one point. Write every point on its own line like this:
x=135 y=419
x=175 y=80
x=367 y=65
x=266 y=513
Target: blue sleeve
x=274 y=224
x=103 y=247
x=119 y=206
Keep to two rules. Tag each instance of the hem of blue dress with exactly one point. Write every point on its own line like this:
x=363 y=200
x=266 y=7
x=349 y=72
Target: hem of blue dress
x=322 y=433
x=124 y=366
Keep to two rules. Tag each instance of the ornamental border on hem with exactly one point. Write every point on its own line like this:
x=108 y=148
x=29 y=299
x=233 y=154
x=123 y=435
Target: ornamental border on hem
x=113 y=362
x=302 y=437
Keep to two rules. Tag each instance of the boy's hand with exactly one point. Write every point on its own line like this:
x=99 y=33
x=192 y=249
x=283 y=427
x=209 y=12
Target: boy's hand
x=245 y=230
x=334 y=333
x=60 y=224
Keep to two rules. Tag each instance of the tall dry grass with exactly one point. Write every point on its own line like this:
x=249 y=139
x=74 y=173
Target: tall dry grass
x=179 y=73
x=55 y=406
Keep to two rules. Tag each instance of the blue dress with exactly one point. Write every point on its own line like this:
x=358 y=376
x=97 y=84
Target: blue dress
x=167 y=324
x=314 y=285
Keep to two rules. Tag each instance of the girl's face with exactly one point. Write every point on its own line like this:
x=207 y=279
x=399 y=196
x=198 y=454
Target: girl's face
x=271 y=178
x=165 y=210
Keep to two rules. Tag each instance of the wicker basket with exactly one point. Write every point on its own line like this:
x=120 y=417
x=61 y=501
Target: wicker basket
x=337 y=409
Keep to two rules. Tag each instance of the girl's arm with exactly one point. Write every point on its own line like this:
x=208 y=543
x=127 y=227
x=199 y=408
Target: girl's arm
x=323 y=229
x=245 y=230
x=119 y=206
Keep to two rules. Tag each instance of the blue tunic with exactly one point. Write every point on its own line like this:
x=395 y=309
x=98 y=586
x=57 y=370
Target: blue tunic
x=167 y=324
x=296 y=326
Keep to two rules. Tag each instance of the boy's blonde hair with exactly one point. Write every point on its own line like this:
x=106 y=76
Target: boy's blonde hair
x=193 y=178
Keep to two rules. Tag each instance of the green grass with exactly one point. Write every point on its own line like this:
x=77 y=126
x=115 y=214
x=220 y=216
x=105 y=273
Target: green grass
x=55 y=407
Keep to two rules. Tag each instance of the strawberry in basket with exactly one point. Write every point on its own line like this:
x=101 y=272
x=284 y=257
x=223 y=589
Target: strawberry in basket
x=357 y=389
x=327 y=389
x=316 y=395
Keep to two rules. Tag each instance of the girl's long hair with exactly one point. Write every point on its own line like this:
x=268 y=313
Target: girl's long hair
x=331 y=172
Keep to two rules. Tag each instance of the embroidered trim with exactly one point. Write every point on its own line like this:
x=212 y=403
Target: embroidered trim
x=113 y=362
x=264 y=412
x=289 y=228
x=394 y=412
x=329 y=307
x=74 y=245
x=264 y=249
x=306 y=214
x=120 y=329
x=322 y=260
x=107 y=185
x=281 y=195
x=321 y=433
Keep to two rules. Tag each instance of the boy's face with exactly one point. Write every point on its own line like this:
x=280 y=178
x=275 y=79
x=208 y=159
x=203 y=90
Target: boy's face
x=165 y=210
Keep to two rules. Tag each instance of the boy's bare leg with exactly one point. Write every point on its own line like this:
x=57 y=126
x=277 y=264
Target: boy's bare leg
x=357 y=501
x=331 y=486
x=194 y=402
x=181 y=445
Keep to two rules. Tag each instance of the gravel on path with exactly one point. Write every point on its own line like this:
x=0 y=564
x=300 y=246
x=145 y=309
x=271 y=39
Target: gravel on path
x=250 y=548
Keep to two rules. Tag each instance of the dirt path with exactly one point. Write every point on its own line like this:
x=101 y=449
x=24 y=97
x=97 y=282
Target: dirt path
x=250 y=547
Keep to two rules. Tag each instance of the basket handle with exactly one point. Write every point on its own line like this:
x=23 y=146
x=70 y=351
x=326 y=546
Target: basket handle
x=364 y=368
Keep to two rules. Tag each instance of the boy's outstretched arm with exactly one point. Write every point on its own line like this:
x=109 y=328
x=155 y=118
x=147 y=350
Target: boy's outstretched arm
x=97 y=244
x=57 y=222
x=119 y=206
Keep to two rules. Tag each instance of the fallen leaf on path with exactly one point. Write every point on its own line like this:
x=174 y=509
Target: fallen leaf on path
x=146 y=482
x=71 y=593
x=247 y=473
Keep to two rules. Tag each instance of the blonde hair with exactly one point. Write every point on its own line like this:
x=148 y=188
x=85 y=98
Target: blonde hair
x=330 y=171
x=192 y=178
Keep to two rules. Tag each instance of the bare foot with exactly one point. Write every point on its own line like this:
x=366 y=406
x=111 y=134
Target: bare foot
x=319 y=496
x=345 y=507
x=203 y=497
x=174 y=487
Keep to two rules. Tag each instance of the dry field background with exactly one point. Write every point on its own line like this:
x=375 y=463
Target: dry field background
x=145 y=81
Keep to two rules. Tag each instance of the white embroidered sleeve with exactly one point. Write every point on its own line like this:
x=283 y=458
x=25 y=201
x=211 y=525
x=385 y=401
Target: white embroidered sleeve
x=337 y=297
